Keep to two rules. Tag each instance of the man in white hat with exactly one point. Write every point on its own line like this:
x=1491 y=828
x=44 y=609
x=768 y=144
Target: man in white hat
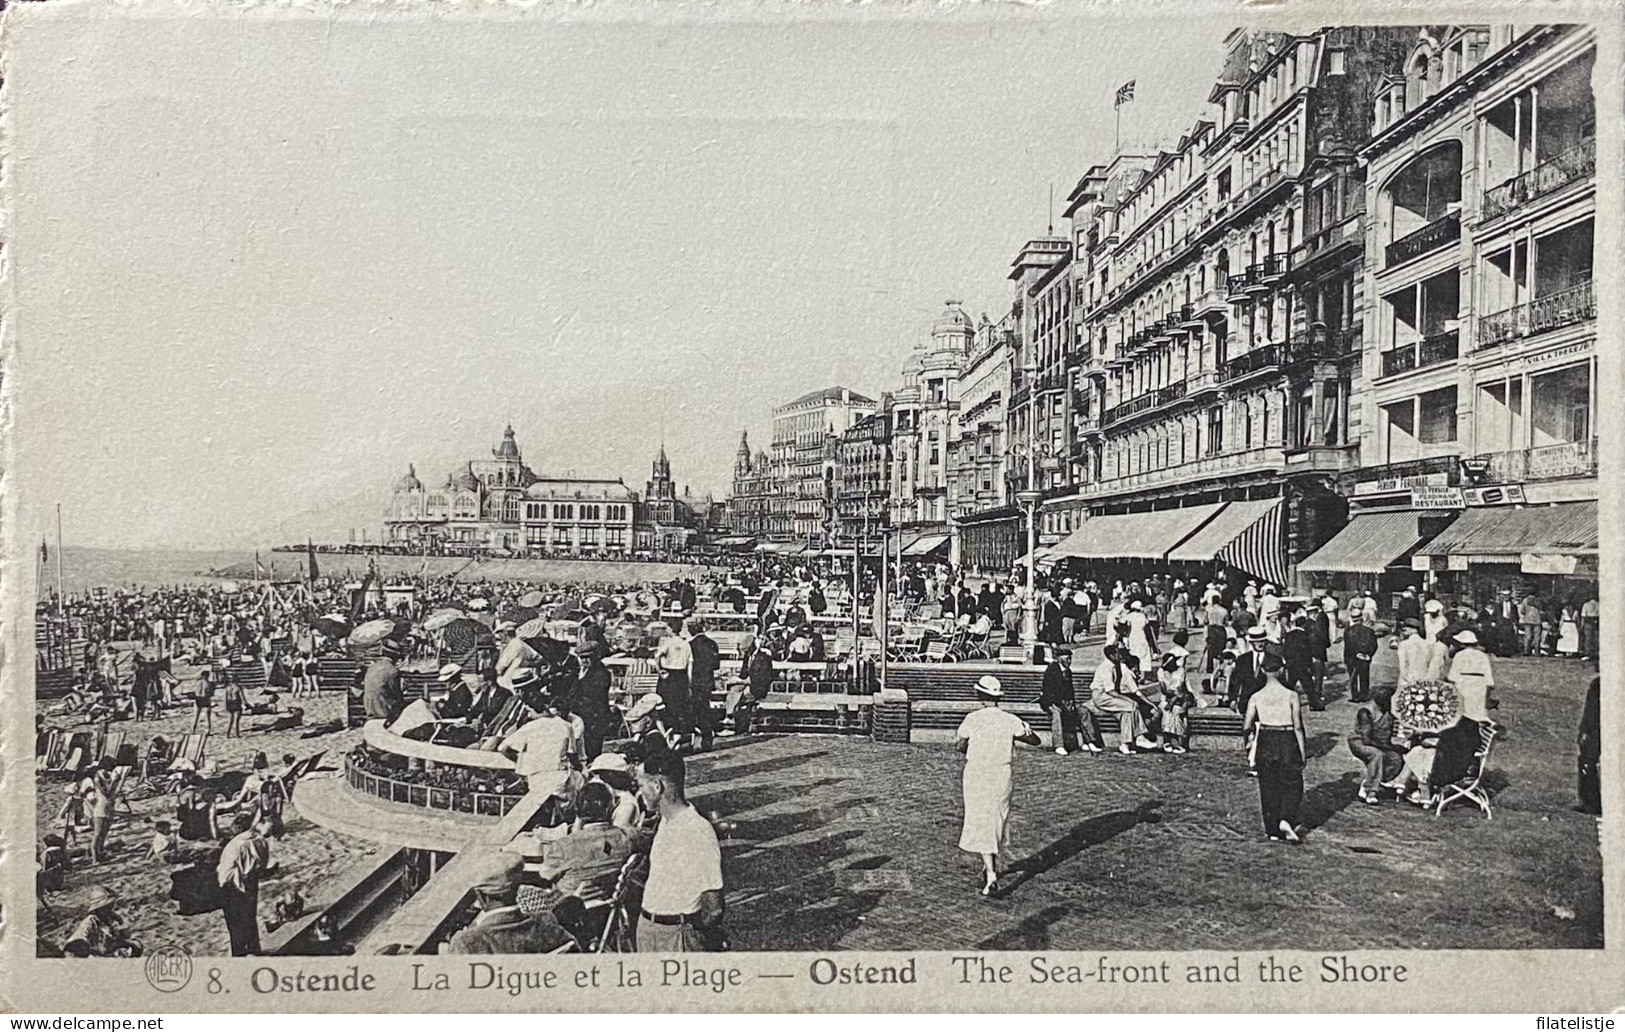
x=101 y=932
x=381 y=692
x=543 y=747
x=513 y=652
x=987 y=737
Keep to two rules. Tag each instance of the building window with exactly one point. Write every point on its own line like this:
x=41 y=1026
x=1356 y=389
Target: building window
x=561 y=537
x=615 y=537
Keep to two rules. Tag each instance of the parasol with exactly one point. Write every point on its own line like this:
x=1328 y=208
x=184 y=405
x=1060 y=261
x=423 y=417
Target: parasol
x=331 y=626
x=531 y=599
x=372 y=632
x=1427 y=706
x=477 y=604
x=463 y=634
x=440 y=618
x=596 y=603
x=531 y=629
x=229 y=587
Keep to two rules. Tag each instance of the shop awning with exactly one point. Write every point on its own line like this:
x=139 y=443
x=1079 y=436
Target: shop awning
x=1506 y=535
x=1139 y=535
x=1369 y=544
x=926 y=544
x=1043 y=558
x=1246 y=535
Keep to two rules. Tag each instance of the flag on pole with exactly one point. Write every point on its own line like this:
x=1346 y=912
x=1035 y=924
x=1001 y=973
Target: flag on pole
x=1125 y=93
x=259 y=567
x=310 y=553
x=44 y=551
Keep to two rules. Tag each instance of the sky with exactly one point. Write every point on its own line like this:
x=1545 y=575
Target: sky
x=264 y=261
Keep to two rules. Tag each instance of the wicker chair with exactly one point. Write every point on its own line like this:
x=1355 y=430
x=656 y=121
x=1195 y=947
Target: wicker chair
x=1472 y=786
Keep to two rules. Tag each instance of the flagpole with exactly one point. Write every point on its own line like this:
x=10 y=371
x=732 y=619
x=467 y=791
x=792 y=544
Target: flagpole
x=61 y=601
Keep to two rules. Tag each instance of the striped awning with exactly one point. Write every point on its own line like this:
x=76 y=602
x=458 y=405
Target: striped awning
x=1246 y=535
x=1138 y=535
x=925 y=544
x=1506 y=534
x=1369 y=544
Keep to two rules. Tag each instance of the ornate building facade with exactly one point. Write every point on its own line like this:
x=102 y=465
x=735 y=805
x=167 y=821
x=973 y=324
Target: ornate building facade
x=925 y=424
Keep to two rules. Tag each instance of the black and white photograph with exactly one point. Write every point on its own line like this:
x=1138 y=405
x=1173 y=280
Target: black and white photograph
x=485 y=487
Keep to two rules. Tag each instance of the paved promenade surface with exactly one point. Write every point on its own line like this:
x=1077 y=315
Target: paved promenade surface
x=838 y=843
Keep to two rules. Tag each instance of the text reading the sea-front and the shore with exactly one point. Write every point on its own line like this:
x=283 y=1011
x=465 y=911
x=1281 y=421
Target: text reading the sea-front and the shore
x=721 y=974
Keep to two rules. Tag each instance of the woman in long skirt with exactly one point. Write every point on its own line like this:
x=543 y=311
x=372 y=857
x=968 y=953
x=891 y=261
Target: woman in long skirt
x=987 y=737
x=1278 y=751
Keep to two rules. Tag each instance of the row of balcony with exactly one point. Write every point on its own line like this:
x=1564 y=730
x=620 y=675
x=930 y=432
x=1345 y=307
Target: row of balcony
x=1554 y=311
x=1429 y=351
x=1551 y=175
x=1221 y=464
x=1439 y=233
x=1258 y=278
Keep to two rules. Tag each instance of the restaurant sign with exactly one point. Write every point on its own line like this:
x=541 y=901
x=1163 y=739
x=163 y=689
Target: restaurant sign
x=1436 y=498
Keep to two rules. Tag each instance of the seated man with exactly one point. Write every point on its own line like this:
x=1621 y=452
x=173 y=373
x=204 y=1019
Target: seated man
x=500 y=926
x=586 y=862
x=101 y=933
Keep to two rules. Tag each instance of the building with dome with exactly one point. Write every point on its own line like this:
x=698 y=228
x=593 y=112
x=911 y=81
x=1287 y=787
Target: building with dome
x=500 y=505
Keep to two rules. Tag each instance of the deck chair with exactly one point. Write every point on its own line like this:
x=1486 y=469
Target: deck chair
x=193 y=747
x=937 y=652
x=618 y=922
x=1472 y=786
x=120 y=789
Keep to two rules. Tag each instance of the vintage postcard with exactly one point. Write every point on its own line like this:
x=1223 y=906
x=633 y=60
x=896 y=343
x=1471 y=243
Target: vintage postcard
x=967 y=507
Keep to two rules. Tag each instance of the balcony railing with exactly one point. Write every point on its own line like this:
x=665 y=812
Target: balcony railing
x=1348 y=231
x=1222 y=464
x=1265 y=357
x=1256 y=274
x=1429 y=351
x=1133 y=407
x=1276 y=265
x=1564 y=308
x=1236 y=286
x=1431 y=237
x=1548 y=462
x=1321 y=343
x=1573 y=164
x=1171 y=393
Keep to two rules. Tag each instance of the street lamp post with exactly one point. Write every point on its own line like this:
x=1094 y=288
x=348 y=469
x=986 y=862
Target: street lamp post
x=1028 y=499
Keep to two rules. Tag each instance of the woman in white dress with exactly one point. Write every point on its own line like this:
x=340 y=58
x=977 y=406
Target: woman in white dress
x=1568 y=633
x=987 y=737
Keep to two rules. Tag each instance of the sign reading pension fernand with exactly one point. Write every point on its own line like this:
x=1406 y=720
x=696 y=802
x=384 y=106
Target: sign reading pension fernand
x=1394 y=485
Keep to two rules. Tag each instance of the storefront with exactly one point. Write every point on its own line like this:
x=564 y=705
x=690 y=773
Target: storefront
x=1373 y=553
x=1550 y=550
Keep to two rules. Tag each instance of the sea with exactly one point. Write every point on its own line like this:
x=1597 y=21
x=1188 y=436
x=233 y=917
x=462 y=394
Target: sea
x=83 y=569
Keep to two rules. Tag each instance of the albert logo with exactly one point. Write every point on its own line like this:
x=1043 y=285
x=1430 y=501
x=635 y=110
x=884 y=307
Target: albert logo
x=169 y=968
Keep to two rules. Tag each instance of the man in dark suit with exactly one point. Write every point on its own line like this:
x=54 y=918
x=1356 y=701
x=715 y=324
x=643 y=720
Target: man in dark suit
x=1359 y=645
x=1246 y=677
x=1297 y=649
x=702 y=679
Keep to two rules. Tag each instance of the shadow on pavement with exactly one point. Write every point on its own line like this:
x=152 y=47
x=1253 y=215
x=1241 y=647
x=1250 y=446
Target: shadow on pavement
x=1091 y=832
x=1328 y=798
x=1031 y=933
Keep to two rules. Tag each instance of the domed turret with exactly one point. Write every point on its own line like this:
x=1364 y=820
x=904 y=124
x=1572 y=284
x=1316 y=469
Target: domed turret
x=409 y=482
x=509 y=448
x=953 y=320
x=462 y=480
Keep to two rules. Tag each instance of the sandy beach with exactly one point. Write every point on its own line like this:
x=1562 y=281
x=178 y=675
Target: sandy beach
x=312 y=859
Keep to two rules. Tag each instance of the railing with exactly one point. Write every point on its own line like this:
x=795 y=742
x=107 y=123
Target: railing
x=1553 y=174
x=1132 y=407
x=1171 y=393
x=1322 y=343
x=1213 y=298
x=432 y=797
x=1206 y=380
x=1277 y=265
x=1255 y=276
x=1347 y=231
x=1187 y=314
x=1430 y=237
x=1225 y=463
x=1548 y=462
x=1564 y=308
x=1264 y=357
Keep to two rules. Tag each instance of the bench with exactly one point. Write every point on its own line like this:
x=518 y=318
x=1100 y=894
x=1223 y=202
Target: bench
x=814 y=712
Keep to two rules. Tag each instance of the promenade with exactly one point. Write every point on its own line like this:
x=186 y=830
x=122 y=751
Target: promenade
x=835 y=843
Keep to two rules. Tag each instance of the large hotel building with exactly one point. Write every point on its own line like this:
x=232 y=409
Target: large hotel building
x=1344 y=326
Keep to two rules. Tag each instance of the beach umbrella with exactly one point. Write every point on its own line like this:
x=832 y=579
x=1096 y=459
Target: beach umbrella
x=478 y=604
x=531 y=629
x=229 y=588
x=440 y=618
x=531 y=599
x=331 y=626
x=372 y=632
x=462 y=635
x=596 y=603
